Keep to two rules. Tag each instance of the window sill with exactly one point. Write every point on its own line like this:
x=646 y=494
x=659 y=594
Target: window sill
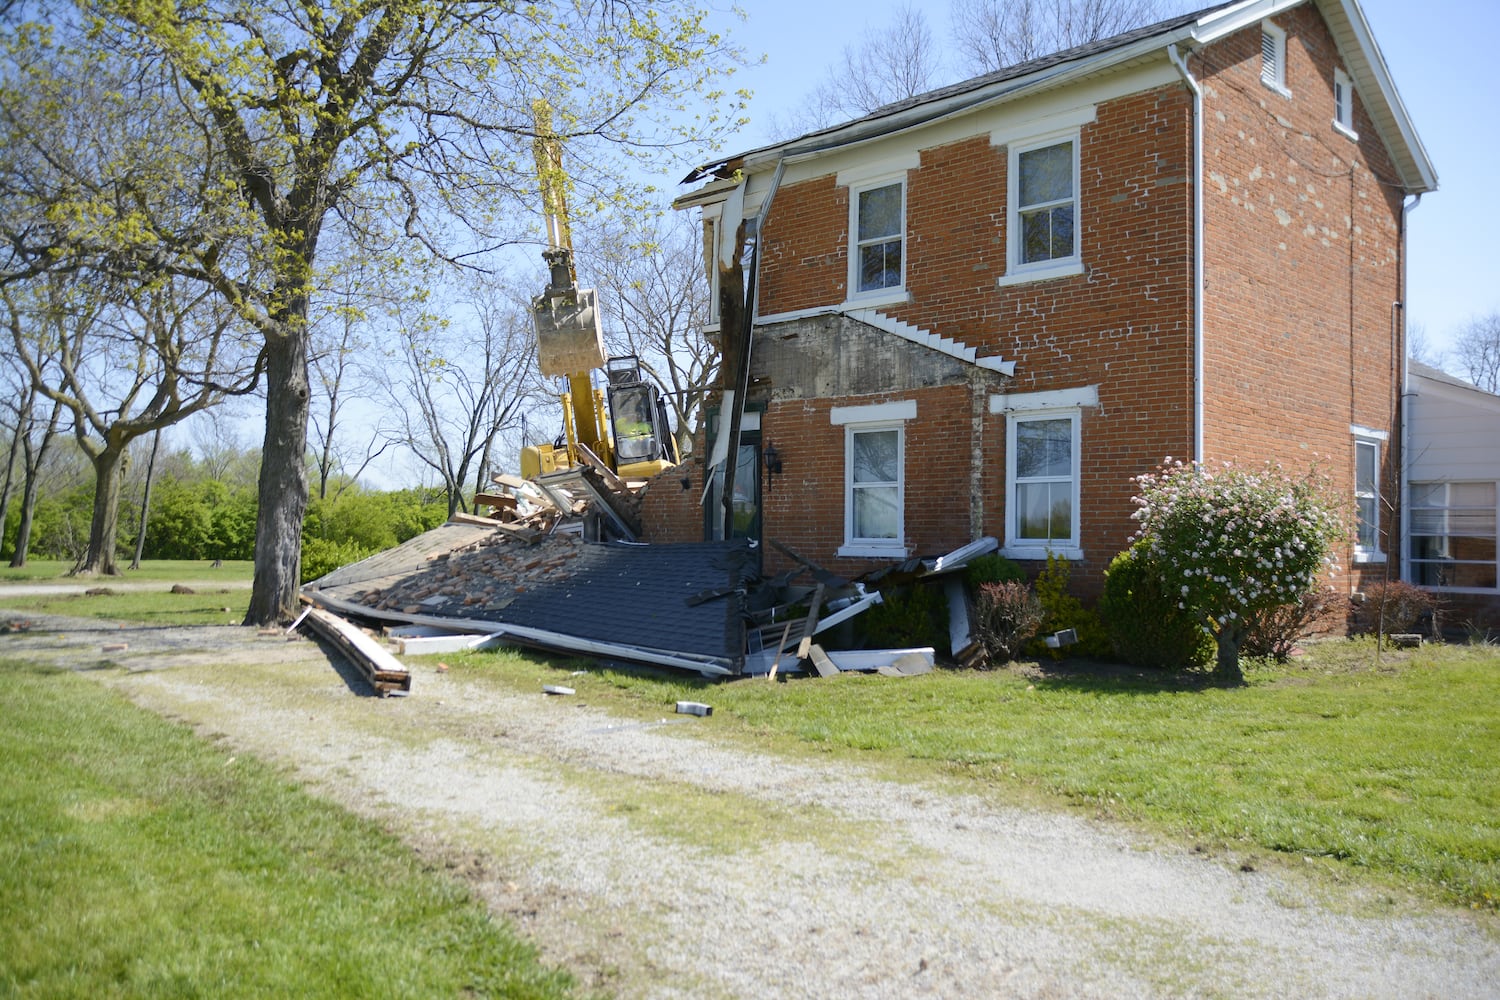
x=871 y=550
x=1276 y=87
x=1067 y=269
x=874 y=300
x=1369 y=557
x=1039 y=554
x=1345 y=130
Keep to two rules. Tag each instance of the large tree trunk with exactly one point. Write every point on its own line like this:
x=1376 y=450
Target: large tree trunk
x=1227 y=664
x=140 y=534
x=104 y=528
x=283 y=485
x=23 y=530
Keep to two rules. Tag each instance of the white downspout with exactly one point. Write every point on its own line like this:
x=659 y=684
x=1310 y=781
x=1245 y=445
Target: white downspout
x=1403 y=488
x=1192 y=84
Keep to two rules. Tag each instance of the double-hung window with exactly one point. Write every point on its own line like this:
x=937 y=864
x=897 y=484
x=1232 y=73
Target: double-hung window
x=1367 y=494
x=1453 y=535
x=879 y=226
x=1044 y=481
x=875 y=477
x=1042 y=217
x=1343 y=104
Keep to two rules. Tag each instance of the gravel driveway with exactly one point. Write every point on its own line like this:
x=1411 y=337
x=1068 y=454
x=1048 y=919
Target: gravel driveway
x=657 y=861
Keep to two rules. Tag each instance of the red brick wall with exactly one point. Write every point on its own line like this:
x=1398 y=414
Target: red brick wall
x=1297 y=307
x=1302 y=253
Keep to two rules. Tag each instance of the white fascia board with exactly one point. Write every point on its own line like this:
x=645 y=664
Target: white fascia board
x=1045 y=124
x=871 y=413
x=1051 y=399
x=879 y=169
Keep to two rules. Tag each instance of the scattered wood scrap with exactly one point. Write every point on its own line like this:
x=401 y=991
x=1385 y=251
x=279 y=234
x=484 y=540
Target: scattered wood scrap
x=386 y=674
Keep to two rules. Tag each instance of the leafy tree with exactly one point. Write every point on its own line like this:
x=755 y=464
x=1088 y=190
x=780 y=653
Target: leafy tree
x=1236 y=543
x=250 y=132
x=1476 y=352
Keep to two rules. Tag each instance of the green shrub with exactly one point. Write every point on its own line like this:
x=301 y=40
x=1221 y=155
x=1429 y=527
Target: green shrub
x=907 y=616
x=1146 y=626
x=1395 y=606
x=992 y=568
x=1006 y=614
x=1062 y=610
x=321 y=557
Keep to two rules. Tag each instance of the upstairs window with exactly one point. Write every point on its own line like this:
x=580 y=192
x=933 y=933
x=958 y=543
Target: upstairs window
x=1273 y=58
x=1043 y=215
x=879 y=226
x=1343 y=104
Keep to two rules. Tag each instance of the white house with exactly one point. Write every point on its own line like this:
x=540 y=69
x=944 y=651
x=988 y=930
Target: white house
x=1453 y=477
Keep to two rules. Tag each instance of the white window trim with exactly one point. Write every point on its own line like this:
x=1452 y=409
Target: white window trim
x=1018 y=548
x=712 y=219
x=1343 y=114
x=1365 y=437
x=874 y=548
x=890 y=293
x=1277 y=81
x=1015 y=271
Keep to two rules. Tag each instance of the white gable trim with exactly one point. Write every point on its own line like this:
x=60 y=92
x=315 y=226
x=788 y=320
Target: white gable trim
x=886 y=168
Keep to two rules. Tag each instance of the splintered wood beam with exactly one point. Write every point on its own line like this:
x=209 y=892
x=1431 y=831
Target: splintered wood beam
x=605 y=472
x=386 y=674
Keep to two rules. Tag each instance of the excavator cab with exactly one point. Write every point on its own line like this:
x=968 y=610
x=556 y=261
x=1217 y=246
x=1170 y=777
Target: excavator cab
x=643 y=441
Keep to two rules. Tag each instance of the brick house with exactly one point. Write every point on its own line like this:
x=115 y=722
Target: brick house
x=982 y=310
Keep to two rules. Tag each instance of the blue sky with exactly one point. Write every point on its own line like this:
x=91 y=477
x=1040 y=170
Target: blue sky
x=1441 y=56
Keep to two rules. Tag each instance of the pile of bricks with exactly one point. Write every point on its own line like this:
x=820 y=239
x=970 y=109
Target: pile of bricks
x=488 y=574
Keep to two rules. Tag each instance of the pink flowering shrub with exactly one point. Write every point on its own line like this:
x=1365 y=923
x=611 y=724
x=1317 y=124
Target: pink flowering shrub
x=1236 y=543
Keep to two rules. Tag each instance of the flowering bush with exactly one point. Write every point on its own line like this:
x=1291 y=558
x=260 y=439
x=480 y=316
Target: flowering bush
x=1236 y=543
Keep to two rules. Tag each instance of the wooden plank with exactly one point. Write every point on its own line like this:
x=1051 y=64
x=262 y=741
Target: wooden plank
x=605 y=472
x=821 y=663
x=809 y=625
x=501 y=500
x=385 y=673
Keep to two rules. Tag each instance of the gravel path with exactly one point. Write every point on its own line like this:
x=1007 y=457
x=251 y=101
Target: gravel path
x=656 y=861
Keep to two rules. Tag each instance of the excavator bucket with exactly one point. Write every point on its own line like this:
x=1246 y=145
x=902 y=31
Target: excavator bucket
x=569 y=338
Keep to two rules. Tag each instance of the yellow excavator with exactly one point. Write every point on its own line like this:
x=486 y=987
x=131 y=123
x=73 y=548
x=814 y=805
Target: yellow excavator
x=631 y=435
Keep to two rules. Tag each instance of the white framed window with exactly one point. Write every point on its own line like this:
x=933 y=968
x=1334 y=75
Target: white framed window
x=1273 y=58
x=878 y=225
x=1452 y=544
x=1343 y=104
x=1042 y=220
x=875 y=478
x=1367 y=500
x=1042 y=450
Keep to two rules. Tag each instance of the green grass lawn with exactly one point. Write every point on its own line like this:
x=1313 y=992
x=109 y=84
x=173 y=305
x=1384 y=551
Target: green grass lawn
x=138 y=860
x=1390 y=768
x=205 y=606
x=167 y=570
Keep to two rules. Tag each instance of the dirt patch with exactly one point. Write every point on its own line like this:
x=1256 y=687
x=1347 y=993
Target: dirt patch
x=657 y=861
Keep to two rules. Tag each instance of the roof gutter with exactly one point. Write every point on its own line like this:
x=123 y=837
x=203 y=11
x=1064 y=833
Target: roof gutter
x=1403 y=488
x=1192 y=85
